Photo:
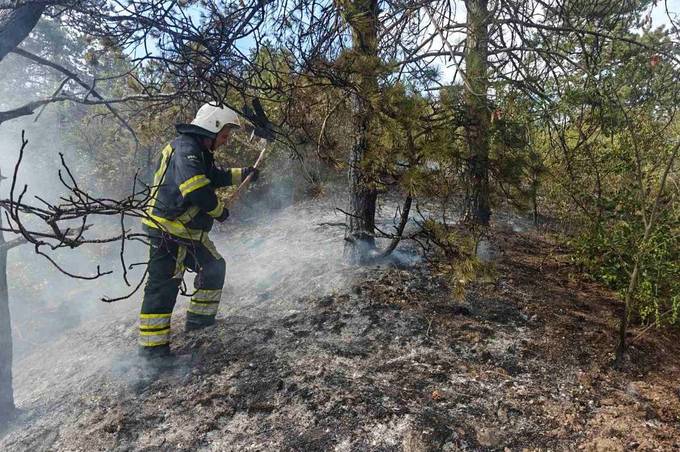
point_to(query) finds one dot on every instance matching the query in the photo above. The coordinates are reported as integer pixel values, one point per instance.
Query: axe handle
(234, 196)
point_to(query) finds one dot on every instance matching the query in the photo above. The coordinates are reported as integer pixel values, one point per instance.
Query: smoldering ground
(44, 301)
(276, 262)
(312, 354)
(279, 260)
(380, 359)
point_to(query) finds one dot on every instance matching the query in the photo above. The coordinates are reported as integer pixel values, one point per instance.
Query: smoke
(276, 248)
(274, 255)
(43, 301)
(276, 261)
(281, 255)
(278, 255)
(264, 248)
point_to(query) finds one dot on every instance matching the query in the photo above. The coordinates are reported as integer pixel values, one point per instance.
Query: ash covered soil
(310, 354)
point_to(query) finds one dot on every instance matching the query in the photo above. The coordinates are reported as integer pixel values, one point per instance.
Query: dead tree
(7, 408)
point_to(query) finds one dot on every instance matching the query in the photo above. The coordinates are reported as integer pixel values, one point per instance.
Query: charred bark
(477, 206)
(362, 16)
(362, 196)
(16, 24)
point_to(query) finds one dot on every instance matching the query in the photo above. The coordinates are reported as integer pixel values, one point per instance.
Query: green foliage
(610, 250)
(454, 249)
(606, 159)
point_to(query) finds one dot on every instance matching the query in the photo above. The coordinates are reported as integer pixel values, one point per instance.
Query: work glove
(250, 170)
(224, 216)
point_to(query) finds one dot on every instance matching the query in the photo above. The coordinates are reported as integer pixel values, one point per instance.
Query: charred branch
(49, 226)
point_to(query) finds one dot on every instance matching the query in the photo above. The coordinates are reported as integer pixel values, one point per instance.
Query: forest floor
(385, 358)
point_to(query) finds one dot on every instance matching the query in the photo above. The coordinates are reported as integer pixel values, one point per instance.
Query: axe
(264, 130)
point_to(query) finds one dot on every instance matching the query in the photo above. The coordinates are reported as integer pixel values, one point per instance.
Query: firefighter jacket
(183, 202)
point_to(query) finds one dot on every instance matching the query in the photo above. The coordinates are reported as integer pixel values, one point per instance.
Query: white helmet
(213, 118)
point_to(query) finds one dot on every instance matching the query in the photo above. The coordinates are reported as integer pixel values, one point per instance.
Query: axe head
(257, 116)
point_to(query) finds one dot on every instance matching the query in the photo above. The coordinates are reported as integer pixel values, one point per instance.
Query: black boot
(157, 357)
(198, 322)
(158, 351)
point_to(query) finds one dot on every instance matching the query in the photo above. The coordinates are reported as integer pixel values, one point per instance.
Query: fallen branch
(342, 225)
(58, 217)
(400, 229)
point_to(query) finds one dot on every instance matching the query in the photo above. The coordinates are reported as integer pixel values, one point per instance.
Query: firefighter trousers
(169, 256)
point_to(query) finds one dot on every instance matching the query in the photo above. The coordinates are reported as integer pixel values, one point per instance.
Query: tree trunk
(360, 238)
(625, 316)
(362, 16)
(477, 210)
(6, 390)
(16, 24)
(534, 201)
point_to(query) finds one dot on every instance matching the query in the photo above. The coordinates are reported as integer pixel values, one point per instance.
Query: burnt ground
(391, 361)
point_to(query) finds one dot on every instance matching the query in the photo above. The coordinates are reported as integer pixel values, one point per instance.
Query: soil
(384, 359)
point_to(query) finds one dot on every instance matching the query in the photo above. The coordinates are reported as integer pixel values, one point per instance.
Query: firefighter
(181, 212)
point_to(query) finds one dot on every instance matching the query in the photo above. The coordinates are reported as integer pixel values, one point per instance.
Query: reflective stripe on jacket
(183, 201)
